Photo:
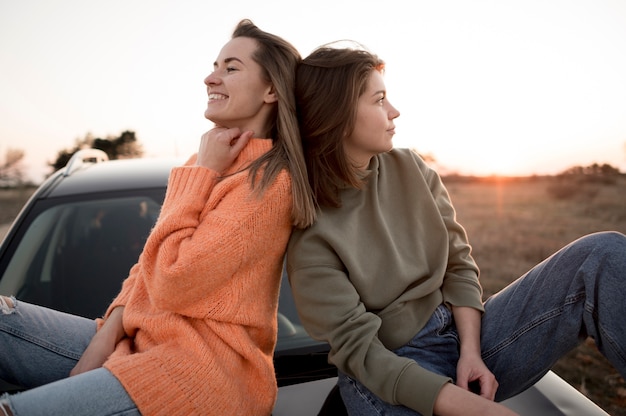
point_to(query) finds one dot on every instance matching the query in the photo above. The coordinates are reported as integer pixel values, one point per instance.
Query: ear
(270, 95)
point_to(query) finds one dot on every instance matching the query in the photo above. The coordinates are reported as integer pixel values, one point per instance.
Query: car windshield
(72, 255)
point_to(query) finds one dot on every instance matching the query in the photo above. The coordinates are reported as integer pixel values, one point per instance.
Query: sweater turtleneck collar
(253, 150)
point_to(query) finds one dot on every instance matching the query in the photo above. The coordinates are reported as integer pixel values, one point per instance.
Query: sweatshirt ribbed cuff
(417, 388)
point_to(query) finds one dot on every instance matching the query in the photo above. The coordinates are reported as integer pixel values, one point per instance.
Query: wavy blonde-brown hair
(278, 60)
(329, 83)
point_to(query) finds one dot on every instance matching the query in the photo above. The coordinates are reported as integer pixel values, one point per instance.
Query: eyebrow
(228, 60)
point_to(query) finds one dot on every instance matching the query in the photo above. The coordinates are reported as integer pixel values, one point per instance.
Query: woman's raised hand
(220, 146)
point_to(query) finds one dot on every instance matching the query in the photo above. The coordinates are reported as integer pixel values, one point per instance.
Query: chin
(211, 117)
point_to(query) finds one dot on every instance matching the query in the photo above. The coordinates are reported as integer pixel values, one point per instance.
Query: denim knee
(607, 241)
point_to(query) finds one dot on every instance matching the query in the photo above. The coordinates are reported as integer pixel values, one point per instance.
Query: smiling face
(239, 95)
(374, 127)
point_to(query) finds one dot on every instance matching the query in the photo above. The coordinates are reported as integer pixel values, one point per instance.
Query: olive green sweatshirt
(367, 276)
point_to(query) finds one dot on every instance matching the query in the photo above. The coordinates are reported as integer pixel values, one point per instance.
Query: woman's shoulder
(403, 157)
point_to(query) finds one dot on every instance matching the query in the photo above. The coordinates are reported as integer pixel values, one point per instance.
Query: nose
(393, 112)
(211, 79)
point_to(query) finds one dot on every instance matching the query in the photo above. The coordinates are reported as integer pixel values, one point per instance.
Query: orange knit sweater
(201, 303)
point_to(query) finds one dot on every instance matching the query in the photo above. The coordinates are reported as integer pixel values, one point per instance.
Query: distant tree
(608, 170)
(593, 174)
(126, 146)
(583, 182)
(11, 169)
(592, 171)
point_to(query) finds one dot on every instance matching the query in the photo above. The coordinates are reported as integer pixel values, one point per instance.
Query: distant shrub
(604, 174)
(583, 181)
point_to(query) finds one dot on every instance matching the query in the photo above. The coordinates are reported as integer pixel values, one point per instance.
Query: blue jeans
(38, 349)
(579, 291)
(435, 347)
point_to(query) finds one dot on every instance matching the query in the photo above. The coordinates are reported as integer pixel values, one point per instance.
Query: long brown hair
(329, 83)
(279, 59)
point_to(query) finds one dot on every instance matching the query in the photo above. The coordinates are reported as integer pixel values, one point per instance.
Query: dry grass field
(516, 223)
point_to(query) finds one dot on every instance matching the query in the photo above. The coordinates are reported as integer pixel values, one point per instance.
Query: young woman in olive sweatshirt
(386, 276)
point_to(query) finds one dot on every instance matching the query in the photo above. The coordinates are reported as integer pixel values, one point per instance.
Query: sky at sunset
(485, 87)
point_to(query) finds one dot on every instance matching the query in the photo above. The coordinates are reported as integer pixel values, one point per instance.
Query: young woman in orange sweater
(193, 329)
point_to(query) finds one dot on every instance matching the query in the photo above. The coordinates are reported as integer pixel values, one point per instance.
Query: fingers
(238, 143)
(462, 382)
(475, 376)
(488, 386)
(219, 147)
(231, 138)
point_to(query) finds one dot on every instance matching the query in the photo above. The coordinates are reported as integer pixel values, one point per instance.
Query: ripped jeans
(38, 349)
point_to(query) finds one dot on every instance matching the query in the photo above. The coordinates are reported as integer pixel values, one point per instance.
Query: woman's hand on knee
(472, 370)
(102, 344)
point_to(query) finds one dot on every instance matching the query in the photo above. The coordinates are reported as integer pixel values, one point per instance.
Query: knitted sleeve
(205, 231)
(194, 190)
